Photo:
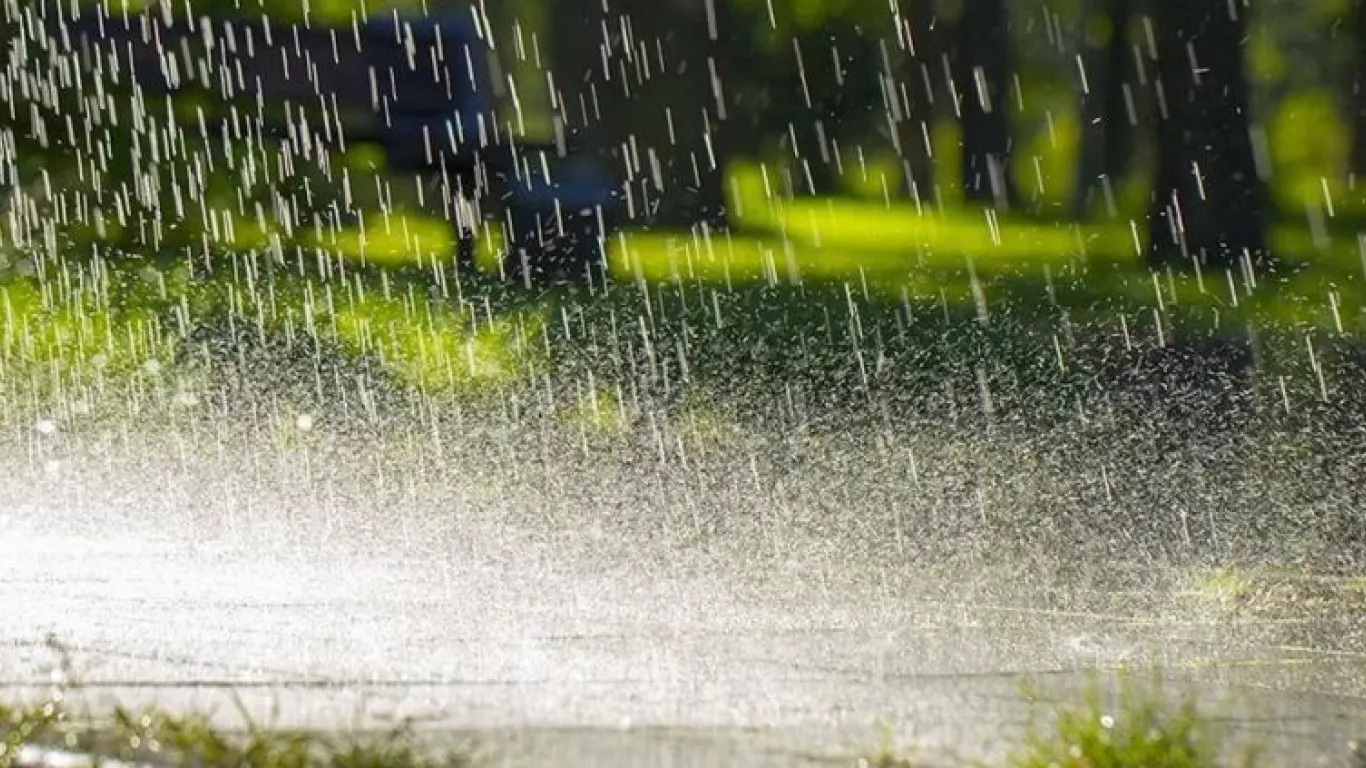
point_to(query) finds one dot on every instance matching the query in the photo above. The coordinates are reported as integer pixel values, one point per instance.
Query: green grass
(1253, 592)
(971, 265)
(57, 722)
(1131, 727)
(154, 736)
(1134, 726)
(92, 324)
(1126, 725)
(893, 251)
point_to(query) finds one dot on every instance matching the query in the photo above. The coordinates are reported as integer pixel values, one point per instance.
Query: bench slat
(415, 71)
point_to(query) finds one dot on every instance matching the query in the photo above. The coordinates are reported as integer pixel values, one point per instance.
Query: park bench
(418, 87)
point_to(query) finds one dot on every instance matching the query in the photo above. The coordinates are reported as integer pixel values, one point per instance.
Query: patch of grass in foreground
(49, 731)
(1131, 727)
(34, 735)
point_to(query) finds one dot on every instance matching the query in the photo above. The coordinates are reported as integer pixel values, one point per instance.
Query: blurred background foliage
(788, 65)
(116, 270)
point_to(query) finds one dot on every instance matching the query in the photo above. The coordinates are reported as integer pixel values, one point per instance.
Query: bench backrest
(419, 79)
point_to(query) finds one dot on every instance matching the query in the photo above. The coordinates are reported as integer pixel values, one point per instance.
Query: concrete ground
(350, 583)
(551, 660)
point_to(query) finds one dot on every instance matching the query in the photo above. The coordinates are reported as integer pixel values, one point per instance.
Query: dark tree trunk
(580, 87)
(1358, 159)
(1208, 201)
(1107, 129)
(982, 79)
(651, 106)
(838, 77)
(820, 70)
(911, 90)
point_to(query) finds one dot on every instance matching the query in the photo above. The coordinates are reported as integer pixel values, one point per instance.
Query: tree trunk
(910, 90)
(837, 77)
(1358, 159)
(982, 79)
(1107, 128)
(654, 104)
(576, 66)
(1208, 201)
(820, 71)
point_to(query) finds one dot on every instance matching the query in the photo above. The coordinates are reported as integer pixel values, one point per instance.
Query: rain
(710, 382)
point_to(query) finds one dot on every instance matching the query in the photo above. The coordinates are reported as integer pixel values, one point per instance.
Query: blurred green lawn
(895, 252)
(386, 289)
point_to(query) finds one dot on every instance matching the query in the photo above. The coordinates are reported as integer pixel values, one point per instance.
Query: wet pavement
(548, 658)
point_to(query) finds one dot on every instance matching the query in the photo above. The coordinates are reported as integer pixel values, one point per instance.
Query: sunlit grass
(62, 335)
(594, 409)
(858, 229)
(59, 728)
(893, 249)
(406, 239)
(1134, 727)
(436, 347)
(54, 732)
(1131, 726)
(1308, 141)
(82, 322)
(930, 256)
(60, 343)
(1231, 591)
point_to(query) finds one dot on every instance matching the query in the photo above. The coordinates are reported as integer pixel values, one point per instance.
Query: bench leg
(465, 244)
(464, 217)
(537, 251)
